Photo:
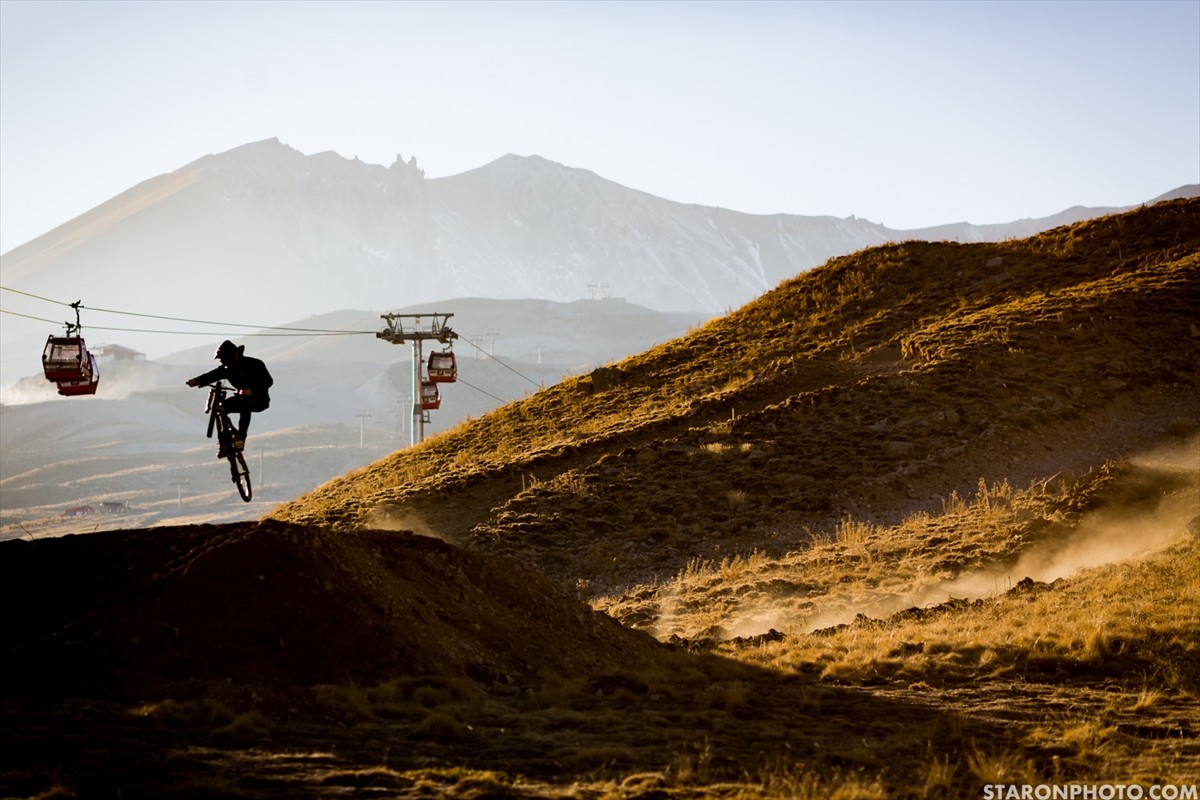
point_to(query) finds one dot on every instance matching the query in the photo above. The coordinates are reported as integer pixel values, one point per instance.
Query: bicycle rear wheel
(240, 473)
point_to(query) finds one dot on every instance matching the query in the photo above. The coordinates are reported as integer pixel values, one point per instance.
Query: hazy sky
(906, 113)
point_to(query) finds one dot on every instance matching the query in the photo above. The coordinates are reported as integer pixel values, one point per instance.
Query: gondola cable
(501, 363)
(290, 331)
(299, 331)
(179, 333)
(482, 391)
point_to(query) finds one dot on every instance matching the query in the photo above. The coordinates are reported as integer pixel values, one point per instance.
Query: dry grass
(931, 573)
(814, 405)
(1139, 620)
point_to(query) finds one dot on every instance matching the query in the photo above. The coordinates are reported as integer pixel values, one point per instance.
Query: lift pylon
(402, 328)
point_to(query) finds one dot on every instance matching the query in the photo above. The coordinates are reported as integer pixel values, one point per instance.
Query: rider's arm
(207, 377)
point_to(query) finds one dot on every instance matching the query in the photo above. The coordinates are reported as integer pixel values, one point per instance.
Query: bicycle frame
(218, 422)
(215, 407)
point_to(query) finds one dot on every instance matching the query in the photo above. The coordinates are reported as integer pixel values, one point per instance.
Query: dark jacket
(245, 373)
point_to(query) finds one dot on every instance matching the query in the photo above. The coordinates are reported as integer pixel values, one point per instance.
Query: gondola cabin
(67, 362)
(430, 397)
(64, 359)
(85, 386)
(442, 367)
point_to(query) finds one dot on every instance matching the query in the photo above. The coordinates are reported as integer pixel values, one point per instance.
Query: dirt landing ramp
(272, 604)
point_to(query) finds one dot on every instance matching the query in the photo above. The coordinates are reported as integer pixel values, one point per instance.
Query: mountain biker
(249, 376)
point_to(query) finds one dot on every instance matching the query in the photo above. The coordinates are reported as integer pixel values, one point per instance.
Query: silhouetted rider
(249, 376)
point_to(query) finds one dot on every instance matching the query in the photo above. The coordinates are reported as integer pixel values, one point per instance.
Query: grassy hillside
(872, 388)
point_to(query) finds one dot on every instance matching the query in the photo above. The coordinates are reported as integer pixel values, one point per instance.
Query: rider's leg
(238, 405)
(242, 429)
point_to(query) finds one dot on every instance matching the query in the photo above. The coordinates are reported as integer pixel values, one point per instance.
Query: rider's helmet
(228, 352)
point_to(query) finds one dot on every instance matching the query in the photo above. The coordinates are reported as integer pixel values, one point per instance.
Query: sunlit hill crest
(875, 386)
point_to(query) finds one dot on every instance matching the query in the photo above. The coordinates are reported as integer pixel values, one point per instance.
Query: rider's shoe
(239, 443)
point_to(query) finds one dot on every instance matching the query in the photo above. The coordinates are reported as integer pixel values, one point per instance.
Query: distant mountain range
(263, 234)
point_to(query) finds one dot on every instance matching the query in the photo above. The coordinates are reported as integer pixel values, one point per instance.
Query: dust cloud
(1157, 511)
(1101, 538)
(26, 391)
(397, 518)
(1154, 517)
(118, 381)
(1154, 514)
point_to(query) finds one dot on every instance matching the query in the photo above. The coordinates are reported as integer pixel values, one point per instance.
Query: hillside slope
(918, 523)
(873, 387)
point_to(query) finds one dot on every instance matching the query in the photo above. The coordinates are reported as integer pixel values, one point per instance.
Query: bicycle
(218, 422)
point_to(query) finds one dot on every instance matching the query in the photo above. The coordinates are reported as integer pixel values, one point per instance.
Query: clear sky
(909, 114)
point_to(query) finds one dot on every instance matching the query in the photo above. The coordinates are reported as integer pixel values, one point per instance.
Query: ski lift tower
(403, 328)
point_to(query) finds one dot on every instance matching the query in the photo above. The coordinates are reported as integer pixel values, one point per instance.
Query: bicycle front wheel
(240, 473)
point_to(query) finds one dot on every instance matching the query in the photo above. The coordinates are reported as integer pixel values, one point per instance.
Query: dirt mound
(274, 605)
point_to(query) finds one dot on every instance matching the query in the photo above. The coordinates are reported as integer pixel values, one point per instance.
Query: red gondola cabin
(67, 362)
(442, 367)
(86, 386)
(430, 398)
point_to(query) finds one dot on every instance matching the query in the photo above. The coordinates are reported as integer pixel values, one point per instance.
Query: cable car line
(203, 333)
(483, 391)
(501, 363)
(177, 333)
(186, 320)
(29, 316)
(264, 331)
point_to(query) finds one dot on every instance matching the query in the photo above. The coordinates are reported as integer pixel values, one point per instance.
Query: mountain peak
(355, 235)
(248, 153)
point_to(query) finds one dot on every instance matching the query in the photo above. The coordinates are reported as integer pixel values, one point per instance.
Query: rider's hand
(245, 392)
(191, 382)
